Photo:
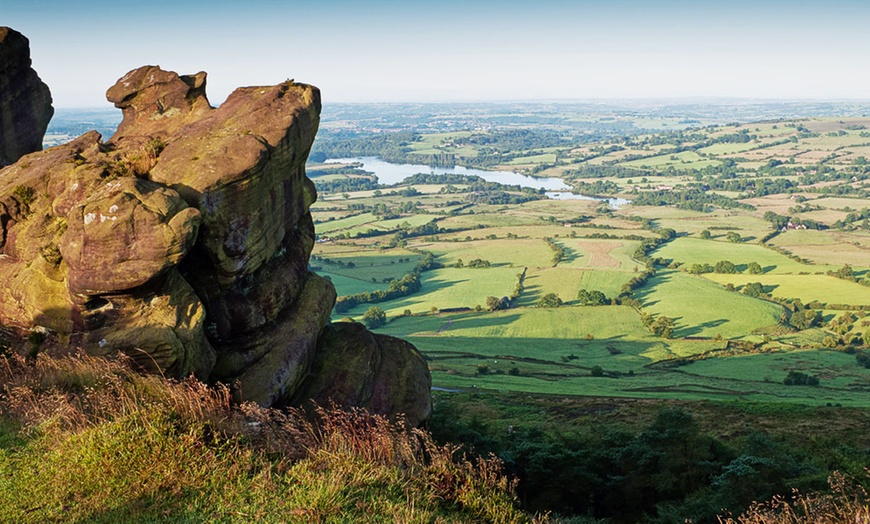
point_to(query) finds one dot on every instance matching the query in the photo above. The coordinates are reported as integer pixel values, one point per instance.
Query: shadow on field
(428, 286)
(768, 288)
(696, 329)
(434, 325)
(531, 291)
(554, 358)
(643, 293)
(481, 321)
(569, 255)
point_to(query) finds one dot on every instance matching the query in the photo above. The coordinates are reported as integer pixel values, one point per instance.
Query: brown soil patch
(599, 253)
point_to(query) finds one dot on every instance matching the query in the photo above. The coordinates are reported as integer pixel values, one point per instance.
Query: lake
(389, 173)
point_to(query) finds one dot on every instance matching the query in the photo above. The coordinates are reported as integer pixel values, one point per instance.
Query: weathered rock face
(184, 242)
(25, 102)
(355, 367)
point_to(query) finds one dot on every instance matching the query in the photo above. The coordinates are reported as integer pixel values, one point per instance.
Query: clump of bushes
(549, 300)
(797, 378)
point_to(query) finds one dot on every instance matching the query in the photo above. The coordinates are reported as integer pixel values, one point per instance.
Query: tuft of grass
(89, 440)
(26, 195)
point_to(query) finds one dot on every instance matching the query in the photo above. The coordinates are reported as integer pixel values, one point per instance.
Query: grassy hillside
(703, 309)
(87, 440)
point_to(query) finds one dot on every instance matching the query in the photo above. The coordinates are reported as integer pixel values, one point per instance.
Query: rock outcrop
(25, 102)
(183, 241)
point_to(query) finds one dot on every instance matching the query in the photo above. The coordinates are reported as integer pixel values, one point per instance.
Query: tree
(754, 268)
(845, 273)
(805, 318)
(732, 236)
(662, 326)
(374, 317)
(724, 266)
(492, 303)
(591, 298)
(706, 234)
(549, 300)
(753, 289)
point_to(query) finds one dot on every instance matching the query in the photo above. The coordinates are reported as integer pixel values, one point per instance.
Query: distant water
(389, 173)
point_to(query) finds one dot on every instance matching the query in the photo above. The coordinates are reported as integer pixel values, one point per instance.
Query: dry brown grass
(847, 503)
(80, 391)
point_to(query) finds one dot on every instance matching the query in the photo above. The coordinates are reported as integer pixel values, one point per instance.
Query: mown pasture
(827, 247)
(690, 251)
(823, 288)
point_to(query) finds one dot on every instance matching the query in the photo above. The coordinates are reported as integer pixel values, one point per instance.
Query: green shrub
(374, 317)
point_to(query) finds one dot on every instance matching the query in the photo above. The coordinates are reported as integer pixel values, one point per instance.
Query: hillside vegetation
(88, 440)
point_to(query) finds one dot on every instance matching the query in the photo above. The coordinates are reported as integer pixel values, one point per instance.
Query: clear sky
(449, 50)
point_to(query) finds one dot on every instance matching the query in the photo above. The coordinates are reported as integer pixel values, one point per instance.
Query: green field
(345, 285)
(697, 251)
(824, 288)
(514, 252)
(703, 309)
(550, 353)
(566, 282)
(371, 269)
(344, 223)
(450, 288)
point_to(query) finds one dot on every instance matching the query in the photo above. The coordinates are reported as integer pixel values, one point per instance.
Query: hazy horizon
(382, 51)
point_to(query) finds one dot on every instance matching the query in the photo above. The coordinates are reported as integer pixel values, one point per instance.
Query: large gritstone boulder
(25, 102)
(183, 242)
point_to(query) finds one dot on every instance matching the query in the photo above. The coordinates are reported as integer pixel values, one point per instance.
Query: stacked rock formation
(25, 102)
(183, 241)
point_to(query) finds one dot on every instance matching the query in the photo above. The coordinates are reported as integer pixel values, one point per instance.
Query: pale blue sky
(390, 50)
